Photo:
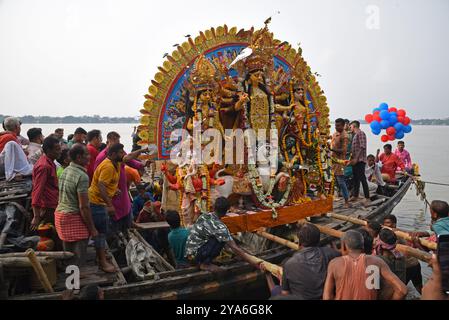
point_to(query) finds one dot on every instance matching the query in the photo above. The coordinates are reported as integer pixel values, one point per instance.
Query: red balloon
(376, 112)
(377, 117)
(393, 110)
(391, 131)
(391, 138)
(369, 118)
(401, 113)
(384, 138)
(401, 120)
(406, 121)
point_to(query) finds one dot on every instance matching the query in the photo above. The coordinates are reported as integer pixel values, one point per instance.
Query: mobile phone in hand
(443, 258)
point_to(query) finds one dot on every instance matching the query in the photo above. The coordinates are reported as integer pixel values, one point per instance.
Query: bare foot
(107, 267)
(347, 205)
(18, 177)
(366, 202)
(210, 267)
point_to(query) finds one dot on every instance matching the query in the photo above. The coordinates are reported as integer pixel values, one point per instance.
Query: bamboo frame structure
(409, 251)
(399, 233)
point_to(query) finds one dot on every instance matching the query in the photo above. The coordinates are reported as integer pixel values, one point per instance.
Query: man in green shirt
(209, 235)
(177, 238)
(73, 217)
(79, 136)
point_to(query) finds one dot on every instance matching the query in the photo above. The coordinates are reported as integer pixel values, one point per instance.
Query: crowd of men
(81, 186)
(353, 168)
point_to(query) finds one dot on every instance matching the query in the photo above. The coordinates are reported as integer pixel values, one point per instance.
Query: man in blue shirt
(140, 199)
(177, 238)
(439, 212)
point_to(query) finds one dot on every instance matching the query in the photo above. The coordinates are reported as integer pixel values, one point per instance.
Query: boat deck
(194, 283)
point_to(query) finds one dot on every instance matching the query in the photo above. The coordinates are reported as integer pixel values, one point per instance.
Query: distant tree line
(74, 119)
(432, 122)
(426, 122)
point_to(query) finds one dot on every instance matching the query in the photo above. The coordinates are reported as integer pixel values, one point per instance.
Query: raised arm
(399, 288)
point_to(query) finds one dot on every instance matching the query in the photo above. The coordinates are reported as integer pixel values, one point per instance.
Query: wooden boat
(236, 276)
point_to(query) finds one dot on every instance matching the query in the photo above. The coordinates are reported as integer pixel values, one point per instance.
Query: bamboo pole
(421, 255)
(399, 233)
(22, 262)
(41, 275)
(270, 267)
(55, 255)
(277, 239)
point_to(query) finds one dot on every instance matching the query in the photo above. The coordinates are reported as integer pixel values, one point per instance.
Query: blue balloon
(407, 129)
(393, 113)
(376, 132)
(399, 135)
(375, 125)
(384, 124)
(376, 109)
(384, 115)
(399, 126)
(383, 106)
(393, 120)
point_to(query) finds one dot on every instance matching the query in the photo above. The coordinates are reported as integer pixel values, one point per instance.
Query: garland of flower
(181, 195)
(205, 178)
(309, 128)
(265, 199)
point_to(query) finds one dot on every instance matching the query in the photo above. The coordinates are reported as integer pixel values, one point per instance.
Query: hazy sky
(62, 57)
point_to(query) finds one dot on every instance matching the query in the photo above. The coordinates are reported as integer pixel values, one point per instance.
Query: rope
(436, 183)
(420, 185)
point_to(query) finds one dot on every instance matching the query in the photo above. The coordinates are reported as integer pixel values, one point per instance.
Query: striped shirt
(359, 147)
(73, 180)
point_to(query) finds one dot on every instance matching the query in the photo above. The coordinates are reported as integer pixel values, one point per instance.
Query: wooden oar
(409, 251)
(401, 234)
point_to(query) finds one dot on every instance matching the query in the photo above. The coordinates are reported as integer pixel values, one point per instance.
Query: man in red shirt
(44, 195)
(390, 164)
(94, 140)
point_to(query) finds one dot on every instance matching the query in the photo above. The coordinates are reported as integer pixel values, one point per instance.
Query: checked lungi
(71, 227)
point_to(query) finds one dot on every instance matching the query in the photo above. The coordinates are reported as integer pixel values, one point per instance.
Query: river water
(428, 145)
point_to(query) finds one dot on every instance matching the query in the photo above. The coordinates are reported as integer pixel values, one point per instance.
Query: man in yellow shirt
(103, 188)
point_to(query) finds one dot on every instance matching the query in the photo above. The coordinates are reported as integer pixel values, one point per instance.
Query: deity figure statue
(193, 181)
(292, 160)
(201, 94)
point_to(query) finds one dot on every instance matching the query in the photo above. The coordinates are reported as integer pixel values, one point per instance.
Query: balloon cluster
(395, 122)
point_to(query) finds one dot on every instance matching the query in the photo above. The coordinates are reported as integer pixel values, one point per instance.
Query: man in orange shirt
(390, 164)
(103, 188)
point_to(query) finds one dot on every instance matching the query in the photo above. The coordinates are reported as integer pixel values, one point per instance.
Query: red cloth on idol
(71, 227)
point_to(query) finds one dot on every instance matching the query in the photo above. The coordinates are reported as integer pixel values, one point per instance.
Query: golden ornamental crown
(203, 74)
(263, 47)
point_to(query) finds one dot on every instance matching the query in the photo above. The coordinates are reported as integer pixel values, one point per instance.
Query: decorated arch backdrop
(164, 109)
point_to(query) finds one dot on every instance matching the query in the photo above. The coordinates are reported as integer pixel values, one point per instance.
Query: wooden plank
(264, 219)
(120, 277)
(152, 225)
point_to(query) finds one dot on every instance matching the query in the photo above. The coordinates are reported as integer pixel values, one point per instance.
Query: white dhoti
(372, 189)
(13, 161)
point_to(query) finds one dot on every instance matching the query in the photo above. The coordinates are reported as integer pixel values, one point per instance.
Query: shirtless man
(348, 276)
